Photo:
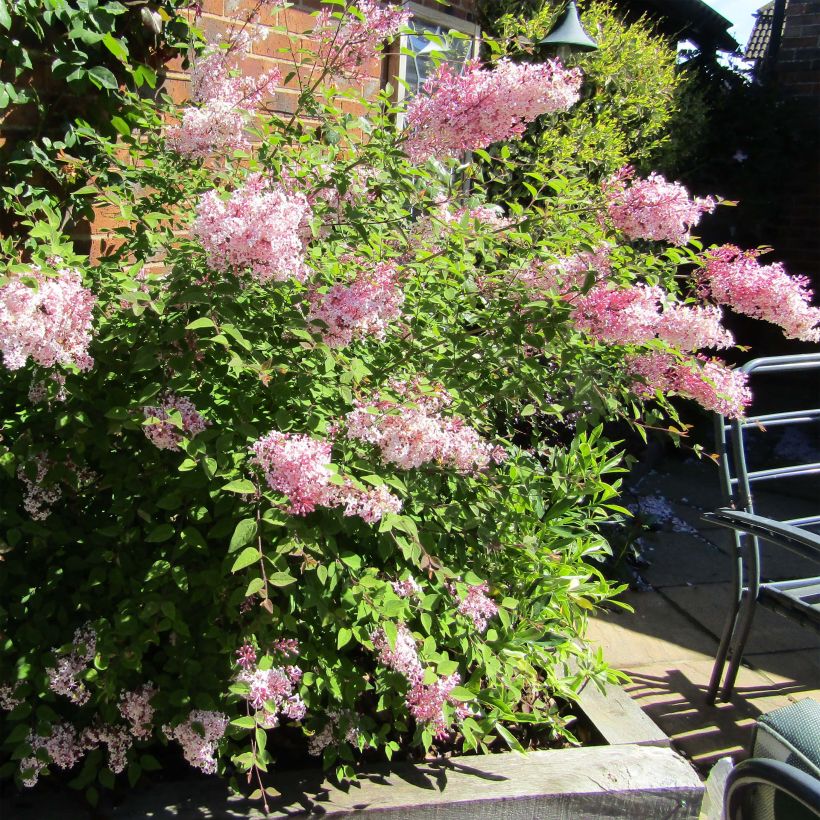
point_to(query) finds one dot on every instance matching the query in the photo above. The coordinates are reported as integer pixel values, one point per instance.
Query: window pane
(420, 66)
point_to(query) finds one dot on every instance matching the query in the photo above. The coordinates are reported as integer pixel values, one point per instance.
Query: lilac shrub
(280, 471)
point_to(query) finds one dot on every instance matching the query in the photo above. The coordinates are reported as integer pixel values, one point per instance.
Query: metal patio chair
(799, 598)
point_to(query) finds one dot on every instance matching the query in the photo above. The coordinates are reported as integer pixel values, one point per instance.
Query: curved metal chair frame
(798, 599)
(782, 777)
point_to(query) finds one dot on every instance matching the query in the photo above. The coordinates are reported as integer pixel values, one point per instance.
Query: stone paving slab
(655, 632)
(708, 605)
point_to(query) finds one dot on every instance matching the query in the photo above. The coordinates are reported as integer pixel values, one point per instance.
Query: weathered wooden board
(618, 718)
(628, 782)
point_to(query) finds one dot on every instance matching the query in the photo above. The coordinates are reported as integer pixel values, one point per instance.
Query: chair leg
(739, 639)
(723, 650)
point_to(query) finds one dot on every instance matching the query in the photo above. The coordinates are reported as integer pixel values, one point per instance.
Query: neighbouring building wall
(796, 72)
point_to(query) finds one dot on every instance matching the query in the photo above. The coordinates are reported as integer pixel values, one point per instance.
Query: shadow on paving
(667, 644)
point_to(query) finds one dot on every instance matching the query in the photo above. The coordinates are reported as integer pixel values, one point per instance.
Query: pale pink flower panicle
(371, 504)
(477, 605)
(8, 697)
(404, 657)
(163, 433)
(64, 748)
(363, 308)
(426, 702)
(40, 494)
(261, 227)
(273, 691)
(223, 102)
(344, 47)
(50, 323)
(412, 434)
(709, 382)
(653, 208)
(633, 315)
(406, 588)
(198, 736)
(479, 106)
(735, 278)
(246, 656)
(117, 739)
(298, 466)
(136, 709)
(64, 678)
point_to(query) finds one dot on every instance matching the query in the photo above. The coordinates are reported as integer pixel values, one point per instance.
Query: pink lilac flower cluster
(246, 656)
(63, 745)
(49, 323)
(64, 678)
(39, 390)
(224, 101)
(404, 657)
(653, 208)
(8, 697)
(709, 382)
(371, 505)
(416, 433)
(39, 496)
(345, 47)
(567, 273)
(198, 735)
(260, 227)
(289, 647)
(116, 738)
(473, 109)
(297, 466)
(163, 433)
(406, 588)
(476, 605)
(363, 308)
(136, 709)
(633, 316)
(273, 691)
(426, 702)
(735, 278)
(344, 723)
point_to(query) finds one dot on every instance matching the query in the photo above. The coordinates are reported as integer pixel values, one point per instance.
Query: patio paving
(667, 644)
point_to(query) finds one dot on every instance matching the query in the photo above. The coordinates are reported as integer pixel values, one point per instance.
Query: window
(416, 63)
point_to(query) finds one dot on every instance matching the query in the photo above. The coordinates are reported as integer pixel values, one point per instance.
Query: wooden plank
(618, 718)
(626, 781)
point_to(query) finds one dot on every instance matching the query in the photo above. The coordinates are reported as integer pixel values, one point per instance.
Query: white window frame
(437, 18)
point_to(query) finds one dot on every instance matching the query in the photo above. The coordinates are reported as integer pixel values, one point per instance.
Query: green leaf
(5, 17)
(149, 763)
(203, 321)
(343, 637)
(103, 78)
(461, 693)
(256, 585)
(248, 556)
(160, 533)
(281, 579)
(116, 47)
(122, 126)
(504, 733)
(240, 485)
(243, 534)
(246, 722)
